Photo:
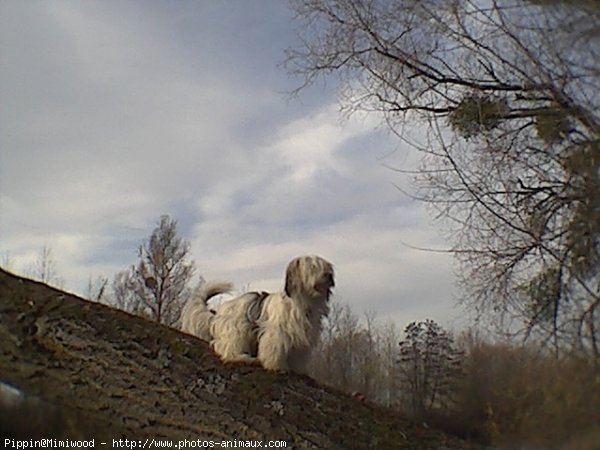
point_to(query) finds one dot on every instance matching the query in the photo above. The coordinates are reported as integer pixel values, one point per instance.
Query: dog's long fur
(195, 315)
(279, 329)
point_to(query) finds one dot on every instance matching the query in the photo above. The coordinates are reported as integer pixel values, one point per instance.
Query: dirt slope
(90, 371)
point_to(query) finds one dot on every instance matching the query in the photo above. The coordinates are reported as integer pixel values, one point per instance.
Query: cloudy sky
(113, 113)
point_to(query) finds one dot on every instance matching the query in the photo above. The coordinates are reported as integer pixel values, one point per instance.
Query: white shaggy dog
(278, 330)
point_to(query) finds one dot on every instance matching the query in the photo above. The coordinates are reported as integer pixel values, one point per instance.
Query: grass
(512, 396)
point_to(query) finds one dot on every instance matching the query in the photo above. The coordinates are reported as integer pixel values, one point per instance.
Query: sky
(114, 113)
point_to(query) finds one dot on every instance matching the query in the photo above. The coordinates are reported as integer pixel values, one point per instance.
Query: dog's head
(310, 276)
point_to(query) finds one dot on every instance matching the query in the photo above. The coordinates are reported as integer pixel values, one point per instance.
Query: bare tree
(334, 362)
(507, 96)
(123, 294)
(158, 286)
(387, 343)
(357, 357)
(96, 289)
(44, 268)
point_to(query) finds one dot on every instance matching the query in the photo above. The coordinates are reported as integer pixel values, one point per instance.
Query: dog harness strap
(255, 309)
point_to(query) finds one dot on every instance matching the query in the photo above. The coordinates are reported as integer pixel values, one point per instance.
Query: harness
(253, 315)
(254, 310)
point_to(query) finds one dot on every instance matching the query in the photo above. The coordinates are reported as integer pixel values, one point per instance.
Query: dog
(277, 330)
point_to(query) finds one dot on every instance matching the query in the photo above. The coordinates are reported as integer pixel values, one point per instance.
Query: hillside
(89, 371)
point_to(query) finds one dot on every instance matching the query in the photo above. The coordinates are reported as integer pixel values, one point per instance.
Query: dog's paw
(250, 362)
(243, 360)
(275, 368)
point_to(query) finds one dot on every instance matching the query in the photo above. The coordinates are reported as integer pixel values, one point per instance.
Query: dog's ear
(292, 277)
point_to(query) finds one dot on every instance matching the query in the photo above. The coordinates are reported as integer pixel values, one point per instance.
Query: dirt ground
(82, 370)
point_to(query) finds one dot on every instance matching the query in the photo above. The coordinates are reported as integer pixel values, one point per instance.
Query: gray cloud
(117, 112)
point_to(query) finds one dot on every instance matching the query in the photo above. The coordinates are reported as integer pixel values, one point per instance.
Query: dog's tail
(212, 288)
(195, 316)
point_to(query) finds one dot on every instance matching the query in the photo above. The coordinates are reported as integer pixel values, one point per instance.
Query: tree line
(503, 393)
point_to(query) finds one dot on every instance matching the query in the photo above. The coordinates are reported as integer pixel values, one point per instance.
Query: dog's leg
(241, 358)
(273, 348)
(233, 341)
